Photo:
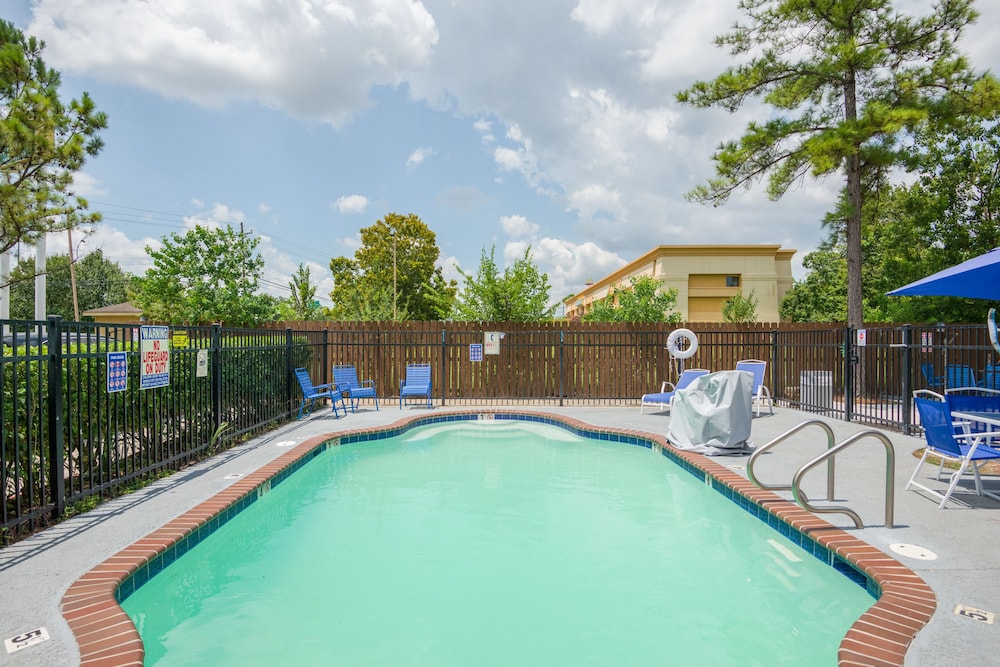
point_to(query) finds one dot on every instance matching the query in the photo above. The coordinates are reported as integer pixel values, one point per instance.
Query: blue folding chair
(954, 441)
(416, 383)
(760, 392)
(931, 379)
(314, 392)
(346, 379)
(959, 375)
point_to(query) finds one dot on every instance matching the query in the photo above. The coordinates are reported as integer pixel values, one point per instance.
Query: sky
(512, 124)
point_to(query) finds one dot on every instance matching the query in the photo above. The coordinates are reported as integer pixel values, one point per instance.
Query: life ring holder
(991, 327)
(672, 343)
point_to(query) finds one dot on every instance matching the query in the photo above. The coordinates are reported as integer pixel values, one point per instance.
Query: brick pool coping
(107, 637)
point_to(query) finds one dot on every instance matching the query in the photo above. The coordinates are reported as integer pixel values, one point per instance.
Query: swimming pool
(651, 622)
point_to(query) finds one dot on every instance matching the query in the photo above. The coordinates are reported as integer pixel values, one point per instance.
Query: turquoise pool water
(494, 543)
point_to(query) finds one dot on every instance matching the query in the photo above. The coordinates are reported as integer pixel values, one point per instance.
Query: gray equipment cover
(712, 416)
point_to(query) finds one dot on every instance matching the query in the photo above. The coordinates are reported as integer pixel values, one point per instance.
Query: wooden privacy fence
(837, 370)
(547, 362)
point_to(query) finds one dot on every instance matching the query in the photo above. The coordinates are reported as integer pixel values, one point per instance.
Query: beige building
(119, 313)
(705, 277)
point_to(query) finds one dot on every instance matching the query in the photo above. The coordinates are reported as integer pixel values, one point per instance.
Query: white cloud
(311, 58)
(418, 156)
(86, 185)
(518, 227)
(217, 217)
(130, 254)
(568, 265)
(595, 199)
(351, 204)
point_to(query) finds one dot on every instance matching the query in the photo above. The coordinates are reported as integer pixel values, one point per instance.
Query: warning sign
(154, 357)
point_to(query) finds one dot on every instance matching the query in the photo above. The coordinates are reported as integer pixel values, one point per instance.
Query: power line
(180, 221)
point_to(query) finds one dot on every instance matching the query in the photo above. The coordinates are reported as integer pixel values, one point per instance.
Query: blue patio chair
(760, 391)
(952, 441)
(959, 375)
(664, 399)
(312, 393)
(931, 379)
(991, 377)
(416, 383)
(346, 379)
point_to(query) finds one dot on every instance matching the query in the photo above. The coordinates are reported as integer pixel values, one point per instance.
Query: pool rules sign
(154, 357)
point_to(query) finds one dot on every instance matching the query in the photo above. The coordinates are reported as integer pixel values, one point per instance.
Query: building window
(732, 281)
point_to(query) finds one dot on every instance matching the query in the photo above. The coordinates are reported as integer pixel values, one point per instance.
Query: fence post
(290, 366)
(57, 476)
(326, 360)
(216, 377)
(848, 373)
(907, 397)
(444, 362)
(562, 350)
(772, 365)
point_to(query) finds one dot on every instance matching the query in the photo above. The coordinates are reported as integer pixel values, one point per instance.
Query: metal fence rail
(65, 436)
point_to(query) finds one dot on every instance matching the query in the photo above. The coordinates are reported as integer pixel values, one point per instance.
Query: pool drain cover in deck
(913, 551)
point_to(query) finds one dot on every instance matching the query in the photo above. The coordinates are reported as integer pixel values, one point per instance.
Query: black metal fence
(72, 430)
(76, 422)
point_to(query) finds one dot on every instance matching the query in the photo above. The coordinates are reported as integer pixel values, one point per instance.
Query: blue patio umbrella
(976, 278)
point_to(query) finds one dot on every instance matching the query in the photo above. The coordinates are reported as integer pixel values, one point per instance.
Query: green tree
(301, 303)
(741, 309)
(99, 282)
(519, 294)
(947, 215)
(950, 214)
(42, 143)
(641, 301)
(203, 276)
(849, 81)
(393, 274)
(822, 295)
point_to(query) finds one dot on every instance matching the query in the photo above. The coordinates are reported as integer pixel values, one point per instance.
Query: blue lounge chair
(760, 391)
(930, 378)
(952, 441)
(417, 383)
(664, 399)
(346, 379)
(311, 393)
(991, 376)
(959, 375)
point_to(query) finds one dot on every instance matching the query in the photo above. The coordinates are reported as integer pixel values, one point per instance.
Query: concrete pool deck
(36, 573)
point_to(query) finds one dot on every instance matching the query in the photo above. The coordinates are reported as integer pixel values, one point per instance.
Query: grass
(988, 468)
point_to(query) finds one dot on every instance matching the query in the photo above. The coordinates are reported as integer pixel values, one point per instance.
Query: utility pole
(40, 264)
(72, 276)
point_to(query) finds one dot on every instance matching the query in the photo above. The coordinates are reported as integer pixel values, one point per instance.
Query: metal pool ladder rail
(828, 456)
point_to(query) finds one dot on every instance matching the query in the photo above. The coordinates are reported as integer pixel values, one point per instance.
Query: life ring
(675, 336)
(991, 326)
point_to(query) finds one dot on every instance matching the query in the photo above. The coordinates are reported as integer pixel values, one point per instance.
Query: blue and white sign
(154, 357)
(475, 352)
(117, 372)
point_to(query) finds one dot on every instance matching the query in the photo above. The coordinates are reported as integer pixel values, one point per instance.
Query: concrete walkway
(964, 539)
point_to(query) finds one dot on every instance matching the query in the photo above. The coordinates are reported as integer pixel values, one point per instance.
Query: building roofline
(660, 251)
